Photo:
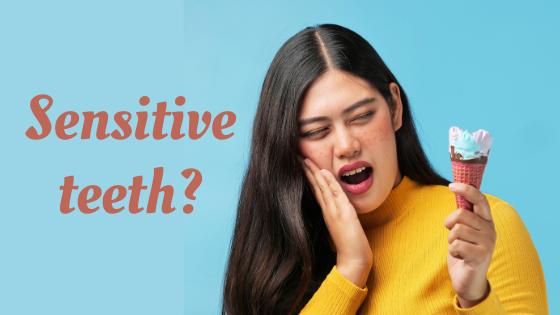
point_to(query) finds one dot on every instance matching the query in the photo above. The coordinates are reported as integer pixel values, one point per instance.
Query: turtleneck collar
(399, 201)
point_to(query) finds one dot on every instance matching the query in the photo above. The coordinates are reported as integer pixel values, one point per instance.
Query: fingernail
(306, 163)
(452, 186)
(323, 173)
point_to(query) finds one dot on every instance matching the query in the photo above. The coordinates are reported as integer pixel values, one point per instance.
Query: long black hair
(280, 252)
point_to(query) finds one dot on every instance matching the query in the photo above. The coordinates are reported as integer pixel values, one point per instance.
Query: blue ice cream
(466, 146)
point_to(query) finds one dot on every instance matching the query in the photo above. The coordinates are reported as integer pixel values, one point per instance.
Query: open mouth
(357, 176)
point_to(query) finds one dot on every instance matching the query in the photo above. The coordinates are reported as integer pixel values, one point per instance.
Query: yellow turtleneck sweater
(409, 273)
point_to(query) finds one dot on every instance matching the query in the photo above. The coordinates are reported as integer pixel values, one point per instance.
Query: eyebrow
(345, 111)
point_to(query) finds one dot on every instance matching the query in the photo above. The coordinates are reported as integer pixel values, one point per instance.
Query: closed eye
(364, 116)
(315, 133)
(312, 134)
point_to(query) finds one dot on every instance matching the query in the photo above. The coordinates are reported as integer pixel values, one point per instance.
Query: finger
(467, 251)
(479, 201)
(466, 217)
(311, 180)
(340, 199)
(313, 183)
(308, 173)
(326, 192)
(467, 234)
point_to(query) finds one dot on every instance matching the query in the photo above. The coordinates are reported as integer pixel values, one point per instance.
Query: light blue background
(471, 64)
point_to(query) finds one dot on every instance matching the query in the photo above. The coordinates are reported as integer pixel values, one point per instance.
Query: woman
(340, 211)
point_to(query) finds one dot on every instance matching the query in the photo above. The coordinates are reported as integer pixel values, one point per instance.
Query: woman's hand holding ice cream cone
(471, 244)
(354, 258)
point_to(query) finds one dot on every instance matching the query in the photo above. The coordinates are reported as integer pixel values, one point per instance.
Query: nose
(346, 144)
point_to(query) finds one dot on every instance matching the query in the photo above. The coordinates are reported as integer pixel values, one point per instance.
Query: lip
(353, 166)
(358, 188)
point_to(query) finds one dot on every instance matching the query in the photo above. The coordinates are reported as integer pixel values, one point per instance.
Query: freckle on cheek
(385, 134)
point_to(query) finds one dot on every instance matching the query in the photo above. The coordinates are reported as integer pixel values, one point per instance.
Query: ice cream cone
(470, 174)
(469, 156)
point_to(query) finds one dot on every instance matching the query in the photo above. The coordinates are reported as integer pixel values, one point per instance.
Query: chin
(358, 211)
(364, 207)
(368, 201)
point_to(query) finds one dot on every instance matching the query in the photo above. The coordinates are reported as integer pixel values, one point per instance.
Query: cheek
(378, 134)
(319, 154)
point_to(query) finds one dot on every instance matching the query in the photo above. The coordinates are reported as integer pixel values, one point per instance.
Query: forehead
(333, 92)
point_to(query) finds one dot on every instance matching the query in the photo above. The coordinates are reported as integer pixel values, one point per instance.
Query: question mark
(192, 187)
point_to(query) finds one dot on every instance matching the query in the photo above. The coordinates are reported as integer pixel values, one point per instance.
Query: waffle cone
(470, 174)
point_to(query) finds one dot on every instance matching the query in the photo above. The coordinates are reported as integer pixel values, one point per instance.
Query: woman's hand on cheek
(354, 256)
(471, 244)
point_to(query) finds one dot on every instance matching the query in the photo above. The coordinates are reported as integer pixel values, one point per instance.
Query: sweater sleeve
(515, 275)
(336, 295)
